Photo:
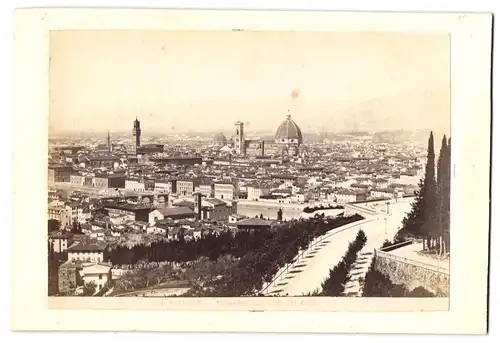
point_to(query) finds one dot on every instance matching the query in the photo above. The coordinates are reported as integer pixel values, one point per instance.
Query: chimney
(262, 148)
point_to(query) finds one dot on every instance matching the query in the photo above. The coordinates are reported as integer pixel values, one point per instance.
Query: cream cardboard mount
(202, 71)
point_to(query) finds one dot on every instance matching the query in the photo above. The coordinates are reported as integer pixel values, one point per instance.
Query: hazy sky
(179, 80)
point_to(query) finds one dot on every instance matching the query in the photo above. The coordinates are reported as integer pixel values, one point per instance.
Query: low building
(380, 183)
(103, 161)
(360, 186)
(205, 188)
(234, 218)
(185, 187)
(225, 191)
(116, 181)
(288, 180)
(100, 181)
(69, 277)
(149, 185)
(63, 214)
(77, 179)
(59, 174)
(384, 193)
(87, 252)
(98, 273)
(154, 216)
(344, 196)
(300, 197)
(156, 230)
(163, 186)
(109, 181)
(60, 241)
(180, 212)
(253, 224)
(150, 149)
(180, 161)
(215, 209)
(137, 212)
(256, 191)
(85, 216)
(135, 185)
(118, 218)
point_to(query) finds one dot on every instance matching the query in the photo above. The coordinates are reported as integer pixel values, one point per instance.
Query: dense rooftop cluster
(118, 194)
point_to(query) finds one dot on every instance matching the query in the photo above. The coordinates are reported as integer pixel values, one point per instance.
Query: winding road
(313, 266)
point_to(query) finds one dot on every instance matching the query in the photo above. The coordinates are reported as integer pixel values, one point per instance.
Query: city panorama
(244, 176)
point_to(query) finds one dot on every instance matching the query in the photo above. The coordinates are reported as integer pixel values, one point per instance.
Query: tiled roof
(96, 268)
(216, 202)
(254, 222)
(88, 246)
(172, 211)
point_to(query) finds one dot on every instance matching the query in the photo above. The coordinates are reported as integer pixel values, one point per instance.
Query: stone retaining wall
(352, 209)
(413, 274)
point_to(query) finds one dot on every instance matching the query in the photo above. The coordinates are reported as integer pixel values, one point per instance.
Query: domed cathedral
(220, 140)
(289, 137)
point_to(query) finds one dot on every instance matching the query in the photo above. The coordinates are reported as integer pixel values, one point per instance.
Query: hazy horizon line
(309, 132)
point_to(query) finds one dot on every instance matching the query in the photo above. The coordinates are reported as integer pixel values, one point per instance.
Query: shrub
(309, 209)
(274, 248)
(386, 243)
(334, 285)
(380, 285)
(420, 292)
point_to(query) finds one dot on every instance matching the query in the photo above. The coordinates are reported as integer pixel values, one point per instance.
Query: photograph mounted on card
(301, 164)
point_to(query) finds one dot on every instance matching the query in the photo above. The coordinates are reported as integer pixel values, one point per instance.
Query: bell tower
(239, 143)
(137, 132)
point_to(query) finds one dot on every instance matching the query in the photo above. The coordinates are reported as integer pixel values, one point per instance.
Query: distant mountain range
(411, 111)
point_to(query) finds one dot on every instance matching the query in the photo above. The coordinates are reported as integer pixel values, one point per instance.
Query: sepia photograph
(233, 164)
(224, 161)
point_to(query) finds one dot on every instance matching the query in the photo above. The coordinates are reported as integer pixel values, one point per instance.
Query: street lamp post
(385, 225)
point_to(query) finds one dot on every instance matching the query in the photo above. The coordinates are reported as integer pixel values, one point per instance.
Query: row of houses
(87, 259)
(67, 212)
(225, 190)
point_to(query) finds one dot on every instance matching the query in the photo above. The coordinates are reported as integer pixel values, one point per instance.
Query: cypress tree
(446, 198)
(429, 210)
(413, 221)
(441, 182)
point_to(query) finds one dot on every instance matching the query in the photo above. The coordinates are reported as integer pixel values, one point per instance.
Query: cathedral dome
(220, 139)
(288, 132)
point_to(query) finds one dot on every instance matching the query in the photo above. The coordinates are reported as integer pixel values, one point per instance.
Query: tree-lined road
(313, 268)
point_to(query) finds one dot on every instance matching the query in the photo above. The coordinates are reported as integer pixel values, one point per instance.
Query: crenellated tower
(137, 132)
(110, 147)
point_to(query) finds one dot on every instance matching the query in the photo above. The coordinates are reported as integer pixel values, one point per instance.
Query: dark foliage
(237, 244)
(280, 215)
(76, 228)
(420, 292)
(53, 263)
(334, 285)
(53, 266)
(276, 248)
(313, 209)
(429, 192)
(379, 285)
(429, 217)
(386, 243)
(53, 225)
(89, 289)
(443, 192)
